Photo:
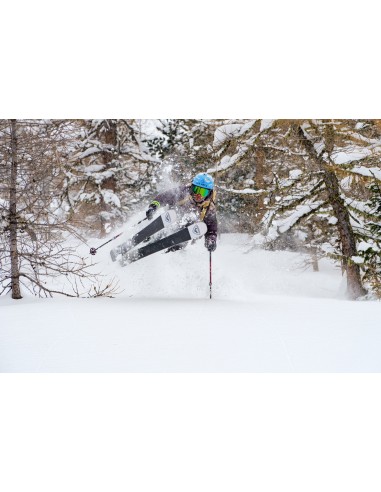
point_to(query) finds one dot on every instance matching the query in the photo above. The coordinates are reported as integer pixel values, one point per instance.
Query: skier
(195, 199)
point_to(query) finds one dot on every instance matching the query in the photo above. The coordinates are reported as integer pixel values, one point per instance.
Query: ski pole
(93, 251)
(210, 274)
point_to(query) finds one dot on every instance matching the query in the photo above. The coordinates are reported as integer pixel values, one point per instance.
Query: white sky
(177, 65)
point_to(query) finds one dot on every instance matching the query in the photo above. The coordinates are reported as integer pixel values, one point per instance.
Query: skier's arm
(168, 197)
(211, 223)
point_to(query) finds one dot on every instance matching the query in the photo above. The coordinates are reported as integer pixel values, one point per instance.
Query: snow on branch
(369, 172)
(349, 170)
(88, 152)
(247, 191)
(284, 149)
(226, 162)
(354, 153)
(226, 132)
(301, 212)
(291, 202)
(266, 124)
(358, 206)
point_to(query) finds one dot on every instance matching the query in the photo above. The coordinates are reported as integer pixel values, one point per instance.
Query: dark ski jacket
(181, 198)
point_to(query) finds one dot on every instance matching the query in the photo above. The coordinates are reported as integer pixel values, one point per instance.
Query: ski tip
(197, 230)
(169, 217)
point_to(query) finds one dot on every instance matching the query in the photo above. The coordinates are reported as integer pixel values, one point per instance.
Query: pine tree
(369, 248)
(167, 135)
(301, 167)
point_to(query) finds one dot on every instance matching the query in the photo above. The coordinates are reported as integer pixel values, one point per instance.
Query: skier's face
(197, 198)
(199, 194)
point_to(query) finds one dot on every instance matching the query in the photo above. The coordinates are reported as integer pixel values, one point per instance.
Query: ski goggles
(198, 190)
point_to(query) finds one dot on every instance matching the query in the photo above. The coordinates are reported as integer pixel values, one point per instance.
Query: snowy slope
(268, 314)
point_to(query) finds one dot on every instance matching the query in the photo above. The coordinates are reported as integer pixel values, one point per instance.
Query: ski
(194, 231)
(163, 221)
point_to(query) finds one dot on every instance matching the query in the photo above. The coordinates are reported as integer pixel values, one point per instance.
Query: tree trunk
(260, 171)
(110, 138)
(347, 237)
(15, 271)
(315, 261)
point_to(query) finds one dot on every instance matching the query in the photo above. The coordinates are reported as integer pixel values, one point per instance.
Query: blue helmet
(203, 180)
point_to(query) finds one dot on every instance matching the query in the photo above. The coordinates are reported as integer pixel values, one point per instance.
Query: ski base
(165, 220)
(193, 231)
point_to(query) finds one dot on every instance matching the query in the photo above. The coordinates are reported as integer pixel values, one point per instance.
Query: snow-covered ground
(268, 314)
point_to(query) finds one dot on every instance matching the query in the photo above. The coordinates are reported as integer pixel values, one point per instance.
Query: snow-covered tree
(298, 172)
(369, 248)
(163, 136)
(111, 171)
(247, 170)
(33, 252)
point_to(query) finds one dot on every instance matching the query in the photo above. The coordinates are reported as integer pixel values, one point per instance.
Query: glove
(151, 211)
(210, 243)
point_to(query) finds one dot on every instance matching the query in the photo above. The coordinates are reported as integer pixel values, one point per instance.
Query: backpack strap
(207, 203)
